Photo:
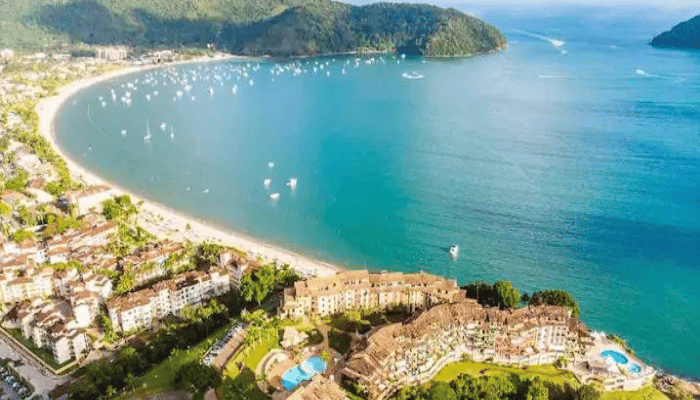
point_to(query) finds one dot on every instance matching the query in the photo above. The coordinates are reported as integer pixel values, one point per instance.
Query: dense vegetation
(684, 35)
(274, 27)
(502, 294)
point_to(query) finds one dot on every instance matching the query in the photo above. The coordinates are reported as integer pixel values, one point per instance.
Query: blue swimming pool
(304, 371)
(616, 356)
(635, 368)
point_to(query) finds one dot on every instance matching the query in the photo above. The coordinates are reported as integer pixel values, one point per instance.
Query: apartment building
(139, 309)
(364, 290)
(412, 353)
(49, 324)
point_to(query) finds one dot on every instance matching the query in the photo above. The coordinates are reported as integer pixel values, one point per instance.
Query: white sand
(157, 218)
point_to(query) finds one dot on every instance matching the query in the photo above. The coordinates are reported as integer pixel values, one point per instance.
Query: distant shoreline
(173, 224)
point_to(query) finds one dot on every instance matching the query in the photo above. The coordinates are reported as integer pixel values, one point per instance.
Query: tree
(587, 392)
(130, 381)
(556, 298)
(506, 295)
(536, 390)
(442, 391)
(196, 378)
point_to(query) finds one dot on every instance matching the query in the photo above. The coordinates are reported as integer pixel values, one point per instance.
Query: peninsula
(685, 35)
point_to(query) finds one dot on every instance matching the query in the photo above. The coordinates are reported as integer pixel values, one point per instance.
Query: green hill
(685, 35)
(274, 27)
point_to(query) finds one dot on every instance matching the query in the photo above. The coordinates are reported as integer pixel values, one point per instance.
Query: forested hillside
(685, 35)
(274, 27)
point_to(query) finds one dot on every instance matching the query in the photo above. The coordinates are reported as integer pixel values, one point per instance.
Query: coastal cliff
(265, 27)
(685, 35)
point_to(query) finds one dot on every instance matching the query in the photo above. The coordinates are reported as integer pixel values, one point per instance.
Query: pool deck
(593, 366)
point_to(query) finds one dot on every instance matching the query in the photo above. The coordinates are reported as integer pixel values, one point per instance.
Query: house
(116, 53)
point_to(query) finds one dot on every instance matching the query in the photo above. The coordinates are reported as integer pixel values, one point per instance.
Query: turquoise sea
(570, 160)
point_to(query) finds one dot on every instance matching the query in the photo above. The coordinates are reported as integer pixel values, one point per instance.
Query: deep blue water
(574, 166)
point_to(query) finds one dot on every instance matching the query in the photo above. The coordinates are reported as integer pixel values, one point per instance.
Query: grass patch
(339, 341)
(41, 352)
(161, 376)
(243, 381)
(547, 372)
(646, 393)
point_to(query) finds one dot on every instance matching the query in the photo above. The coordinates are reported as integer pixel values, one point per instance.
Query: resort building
(412, 353)
(237, 267)
(364, 290)
(49, 324)
(139, 309)
(319, 388)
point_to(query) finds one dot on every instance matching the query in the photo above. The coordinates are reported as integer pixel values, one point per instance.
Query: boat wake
(553, 41)
(412, 75)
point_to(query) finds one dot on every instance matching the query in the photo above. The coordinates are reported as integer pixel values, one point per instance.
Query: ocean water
(570, 160)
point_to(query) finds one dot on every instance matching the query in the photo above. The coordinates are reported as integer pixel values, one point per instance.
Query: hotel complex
(363, 290)
(406, 354)
(139, 309)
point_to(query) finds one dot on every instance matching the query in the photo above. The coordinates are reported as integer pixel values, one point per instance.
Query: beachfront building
(90, 199)
(49, 324)
(364, 290)
(236, 265)
(140, 309)
(115, 53)
(151, 262)
(412, 353)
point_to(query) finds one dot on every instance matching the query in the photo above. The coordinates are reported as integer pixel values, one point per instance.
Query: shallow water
(571, 160)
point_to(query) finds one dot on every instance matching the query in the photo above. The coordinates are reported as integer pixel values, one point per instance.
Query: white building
(139, 309)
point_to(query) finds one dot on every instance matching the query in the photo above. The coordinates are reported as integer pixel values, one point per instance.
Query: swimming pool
(305, 371)
(618, 357)
(635, 368)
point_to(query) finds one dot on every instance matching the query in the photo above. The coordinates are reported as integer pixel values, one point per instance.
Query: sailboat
(147, 138)
(172, 133)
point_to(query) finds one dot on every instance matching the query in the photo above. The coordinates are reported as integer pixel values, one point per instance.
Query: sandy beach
(157, 218)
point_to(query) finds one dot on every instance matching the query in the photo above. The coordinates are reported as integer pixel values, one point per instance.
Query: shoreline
(159, 219)
(173, 223)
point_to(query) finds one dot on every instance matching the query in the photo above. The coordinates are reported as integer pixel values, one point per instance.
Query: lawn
(647, 393)
(161, 376)
(236, 379)
(546, 372)
(475, 369)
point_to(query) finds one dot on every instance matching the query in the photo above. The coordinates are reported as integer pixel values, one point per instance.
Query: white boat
(172, 133)
(206, 190)
(211, 91)
(270, 165)
(274, 196)
(163, 125)
(292, 183)
(234, 90)
(454, 251)
(123, 132)
(267, 182)
(147, 138)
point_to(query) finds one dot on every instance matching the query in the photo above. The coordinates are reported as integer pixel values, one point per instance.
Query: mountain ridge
(263, 27)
